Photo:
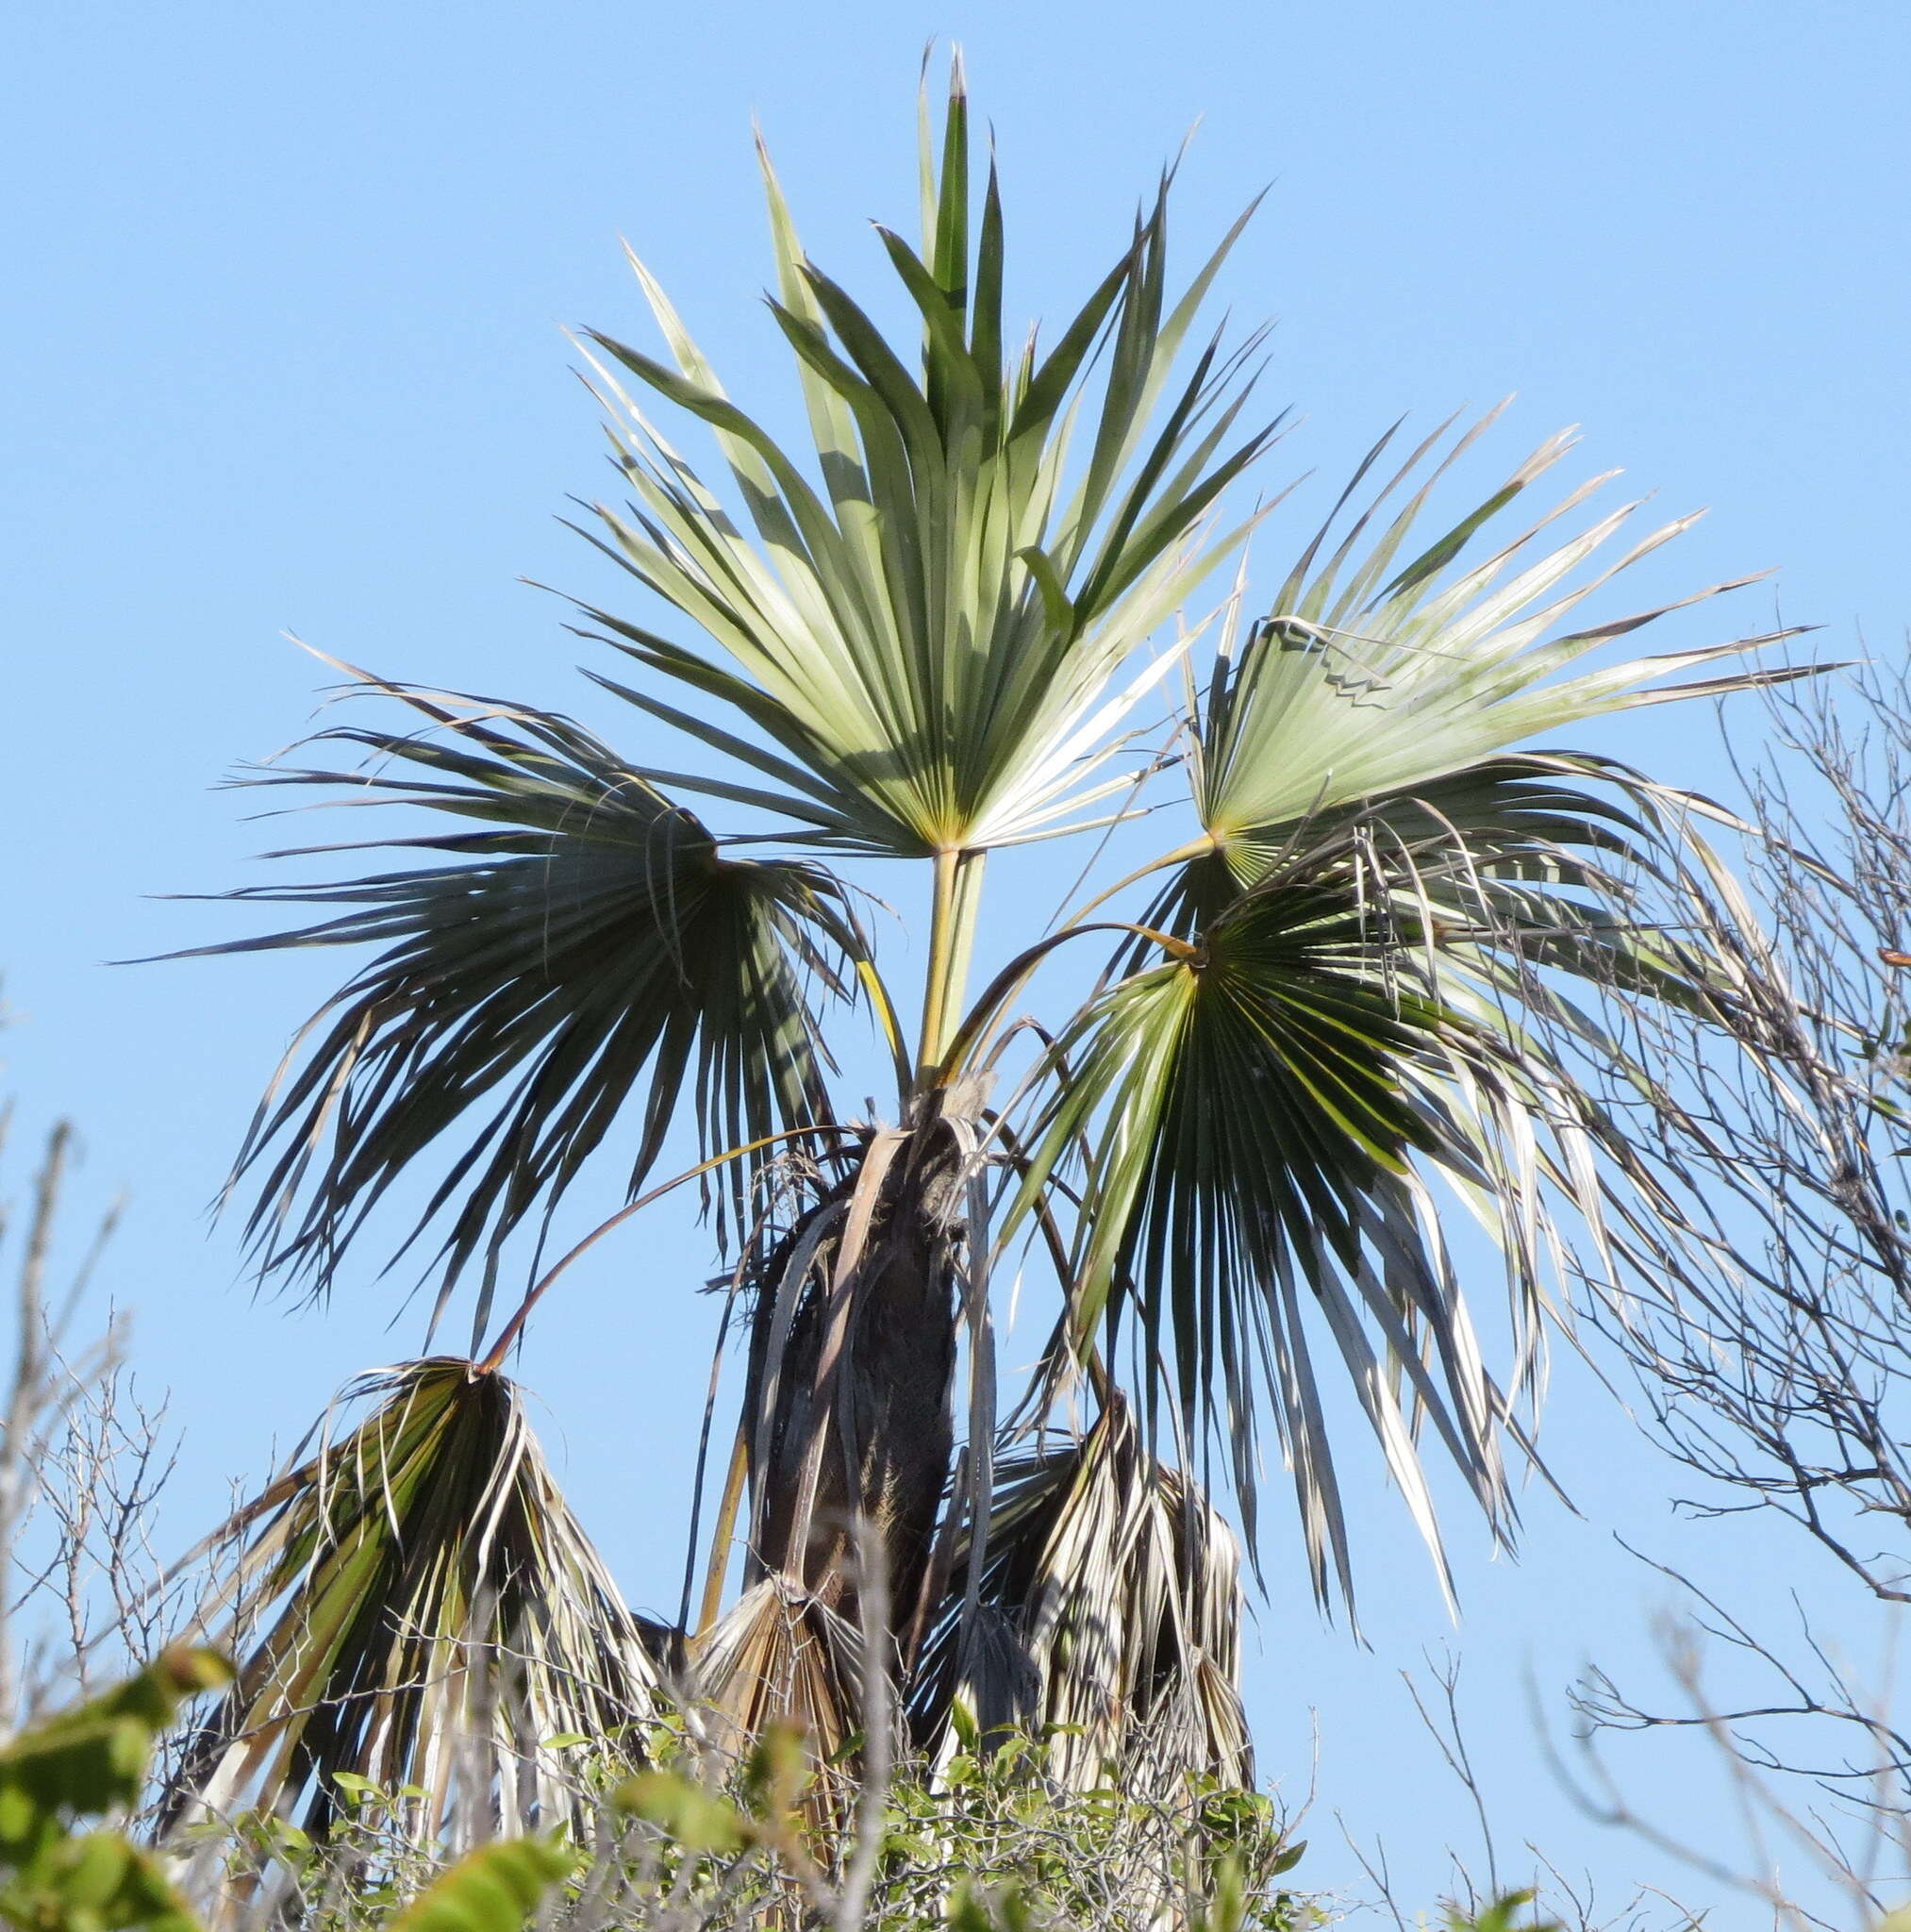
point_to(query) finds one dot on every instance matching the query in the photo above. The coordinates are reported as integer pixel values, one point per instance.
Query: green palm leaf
(1359, 682)
(1381, 907)
(927, 634)
(587, 949)
(1250, 1120)
(909, 638)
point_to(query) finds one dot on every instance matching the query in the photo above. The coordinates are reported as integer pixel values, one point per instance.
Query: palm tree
(1348, 987)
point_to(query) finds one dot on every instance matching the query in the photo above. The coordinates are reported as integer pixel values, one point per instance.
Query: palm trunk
(853, 1351)
(855, 1403)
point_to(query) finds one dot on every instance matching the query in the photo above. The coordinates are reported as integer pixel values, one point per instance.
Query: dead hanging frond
(440, 1617)
(1106, 1611)
(779, 1656)
(786, 1678)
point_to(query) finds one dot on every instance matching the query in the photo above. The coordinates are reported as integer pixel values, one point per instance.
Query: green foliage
(495, 1888)
(92, 1762)
(1505, 1915)
(984, 1838)
(691, 1817)
(927, 640)
(584, 946)
(996, 1841)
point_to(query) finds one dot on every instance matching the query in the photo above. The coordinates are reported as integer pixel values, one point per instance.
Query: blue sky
(283, 351)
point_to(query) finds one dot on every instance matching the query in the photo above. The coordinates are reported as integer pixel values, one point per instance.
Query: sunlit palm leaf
(1251, 1123)
(928, 637)
(433, 1615)
(1261, 1123)
(587, 951)
(1363, 680)
(1110, 1607)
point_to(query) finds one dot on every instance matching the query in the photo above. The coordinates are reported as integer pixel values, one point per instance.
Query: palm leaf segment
(587, 943)
(1375, 903)
(928, 639)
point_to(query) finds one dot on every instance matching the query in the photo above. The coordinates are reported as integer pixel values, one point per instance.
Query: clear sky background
(281, 346)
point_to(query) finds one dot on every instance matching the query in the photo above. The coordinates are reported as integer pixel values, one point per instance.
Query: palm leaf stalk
(919, 640)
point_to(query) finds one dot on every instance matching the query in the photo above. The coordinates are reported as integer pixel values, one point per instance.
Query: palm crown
(1350, 987)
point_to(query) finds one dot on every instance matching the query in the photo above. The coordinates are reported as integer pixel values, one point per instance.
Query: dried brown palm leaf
(1108, 1614)
(779, 1656)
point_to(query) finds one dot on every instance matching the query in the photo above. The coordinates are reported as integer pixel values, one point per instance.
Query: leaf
(577, 969)
(428, 1606)
(1110, 1607)
(1005, 1911)
(83, 1762)
(1503, 1915)
(924, 634)
(96, 1882)
(498, 1887)
(780, 1658)
(93, 1758)
(1258, 1128)
(1350, 688)
(683, 1810)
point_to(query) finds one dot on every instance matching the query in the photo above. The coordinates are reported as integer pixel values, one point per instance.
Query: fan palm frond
(586, 949)
(928, 637)
(1109, 1609)
(1255, 1122)
(433, 1616)
(1362, 680)
(1383, 896)
(781, 1657)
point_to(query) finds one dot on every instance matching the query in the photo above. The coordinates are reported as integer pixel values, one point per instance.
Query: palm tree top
(1340, 1009)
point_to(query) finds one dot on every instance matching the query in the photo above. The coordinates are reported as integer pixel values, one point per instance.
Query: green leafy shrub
(90, 1763)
